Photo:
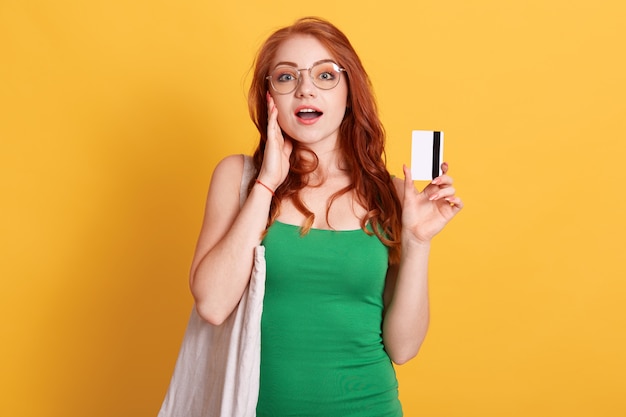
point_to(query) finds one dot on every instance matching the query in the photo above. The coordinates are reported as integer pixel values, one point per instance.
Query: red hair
(361, 136)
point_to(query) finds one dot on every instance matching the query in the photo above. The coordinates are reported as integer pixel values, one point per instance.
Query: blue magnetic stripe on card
(436, 149)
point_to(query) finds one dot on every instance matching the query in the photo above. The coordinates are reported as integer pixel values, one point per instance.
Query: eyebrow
(293, 64)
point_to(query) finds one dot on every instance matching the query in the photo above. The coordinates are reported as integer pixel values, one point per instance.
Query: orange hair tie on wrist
(268, 188)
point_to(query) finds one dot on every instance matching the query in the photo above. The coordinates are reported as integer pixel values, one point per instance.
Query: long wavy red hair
(361, 137)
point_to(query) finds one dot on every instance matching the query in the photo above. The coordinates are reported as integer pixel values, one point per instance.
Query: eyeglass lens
(325, 75)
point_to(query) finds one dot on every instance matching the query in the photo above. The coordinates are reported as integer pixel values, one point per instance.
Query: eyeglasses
(325, 75)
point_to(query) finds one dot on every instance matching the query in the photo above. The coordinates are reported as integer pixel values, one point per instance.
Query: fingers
(287, 147)
(442, 182)
(275, 164)
(443, 179)
(408, 180)
(455, 202)
(441, 188)
(442, 193)
(273, 129)
(271, 106)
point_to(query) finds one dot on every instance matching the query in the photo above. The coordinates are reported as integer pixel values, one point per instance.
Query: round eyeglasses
(285, 78)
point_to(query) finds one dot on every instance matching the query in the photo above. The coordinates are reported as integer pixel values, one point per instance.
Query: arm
(223, 258)
(406, 291)
(407, 306)
(224, 253)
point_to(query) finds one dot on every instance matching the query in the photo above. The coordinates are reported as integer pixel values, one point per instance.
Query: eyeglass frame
(299, 73)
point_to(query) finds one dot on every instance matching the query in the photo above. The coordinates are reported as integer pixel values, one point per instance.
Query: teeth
(307, 111)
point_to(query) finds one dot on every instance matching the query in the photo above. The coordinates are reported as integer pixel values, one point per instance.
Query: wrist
(411, 241)
(414, 250)
(264, 185)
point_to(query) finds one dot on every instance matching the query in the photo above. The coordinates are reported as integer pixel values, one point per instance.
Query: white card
(426, 154)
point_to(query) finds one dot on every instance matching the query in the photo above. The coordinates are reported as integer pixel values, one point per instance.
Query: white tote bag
(217, 370)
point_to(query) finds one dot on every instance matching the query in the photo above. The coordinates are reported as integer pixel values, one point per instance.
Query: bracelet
(268, 188)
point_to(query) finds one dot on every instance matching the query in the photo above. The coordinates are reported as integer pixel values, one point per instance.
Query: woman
(346, 244)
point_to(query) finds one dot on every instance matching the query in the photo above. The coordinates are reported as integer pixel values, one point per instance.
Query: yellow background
(114, 113)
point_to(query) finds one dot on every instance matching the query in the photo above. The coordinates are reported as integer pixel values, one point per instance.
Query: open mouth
(308, 114)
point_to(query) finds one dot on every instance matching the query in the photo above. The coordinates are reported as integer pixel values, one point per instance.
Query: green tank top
(322, 352)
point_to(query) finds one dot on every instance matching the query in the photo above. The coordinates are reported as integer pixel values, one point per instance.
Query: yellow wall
(113, 115)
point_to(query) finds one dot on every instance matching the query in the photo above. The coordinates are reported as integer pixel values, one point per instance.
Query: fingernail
(434, 196)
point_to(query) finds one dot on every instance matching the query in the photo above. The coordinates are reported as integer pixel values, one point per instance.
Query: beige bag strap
(217, 370)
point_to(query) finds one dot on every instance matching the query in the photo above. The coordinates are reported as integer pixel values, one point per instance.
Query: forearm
(220, 277)
(407, 316)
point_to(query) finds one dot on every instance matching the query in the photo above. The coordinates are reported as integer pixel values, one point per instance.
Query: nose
(306, 88)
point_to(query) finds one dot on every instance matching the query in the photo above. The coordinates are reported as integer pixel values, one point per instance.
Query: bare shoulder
(223, 196)
(228, 171)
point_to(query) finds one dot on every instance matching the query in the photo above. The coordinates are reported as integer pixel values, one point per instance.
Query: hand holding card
(426, 154)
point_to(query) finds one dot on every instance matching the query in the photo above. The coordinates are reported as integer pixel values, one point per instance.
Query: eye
(283, 75)
(326, 73)
(327, 76)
